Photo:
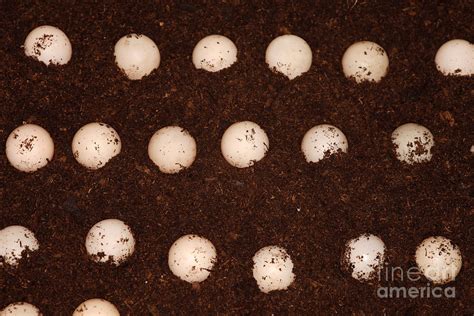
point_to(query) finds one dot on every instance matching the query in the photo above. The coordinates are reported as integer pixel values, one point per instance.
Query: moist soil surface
(310, 209)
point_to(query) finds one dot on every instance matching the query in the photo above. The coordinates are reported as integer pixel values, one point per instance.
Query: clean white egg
(110, 240)
(137, 56)
(365, 61)
(289, 55)
(364, 257)
(96, 307)
(29, 147)
(49, 45)
(20, 309)
(13, 241)
(322, 141)
(172, 149)
(244, 143)
(273, 269)
(192, 258)
(214, 53)
(95, 144)
(439, 259)
(455, 57)
(412, 143)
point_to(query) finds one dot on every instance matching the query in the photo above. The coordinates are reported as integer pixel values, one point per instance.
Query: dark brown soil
(310, 209)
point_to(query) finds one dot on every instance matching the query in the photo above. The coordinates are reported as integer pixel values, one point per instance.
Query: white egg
(96, 307)
(29, 147)
(438, 259)
(322, 141)
(273, 269)
(49, 45)
(244, 143)
(412, 143)
(365, 61)
(14, 240)
(137, 56)
(172, 149)
(364, 257)
(191, 258)
(20, 309)
(95, 144)
(456, 57)
(110, 240)
(214, 53)
(289, 55)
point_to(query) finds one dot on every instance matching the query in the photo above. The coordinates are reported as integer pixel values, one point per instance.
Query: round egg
(20, 309)
(191, 258)
(95, 144)
(96, 307)
(29, 147)
(214, 53)
(289, 55)
(412, 143)
(455, 57)
(172, 149)
(244, 143)
(137, 56)
(110, 240)
(14, 240)
(273, 269)
(365, 61)
(439, 259)
(364, 257)
(322, 141)
(49, 45)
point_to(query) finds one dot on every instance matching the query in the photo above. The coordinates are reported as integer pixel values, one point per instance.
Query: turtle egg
(20, 309)
(137, 56)
(273, 269)
(364, 257)
(172, 149)
(412, 143)
(365, 61)
(289, 55)
(456, 57)
(14, 240)
(244, 143)
(95, 144)
(29, 147)
(214, 53)
(191, 258)
(110, 240)
(96, 307)
(438, 259)
(322, 141)
(49, 45)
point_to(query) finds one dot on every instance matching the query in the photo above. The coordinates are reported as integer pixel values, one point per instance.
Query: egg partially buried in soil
(110, 240)
(244, 143)
(95, 144)
(413, 143)
(49, 45)
(365, 61)
(20, 309)
(16, 242)
(214, 53)
(29, 147)
(96, 307)
(192, 258)
(455, 58)
(289, 55)
(322, 141)
(439, 259)
(273, 269)
(363, 257)
(172, 149)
